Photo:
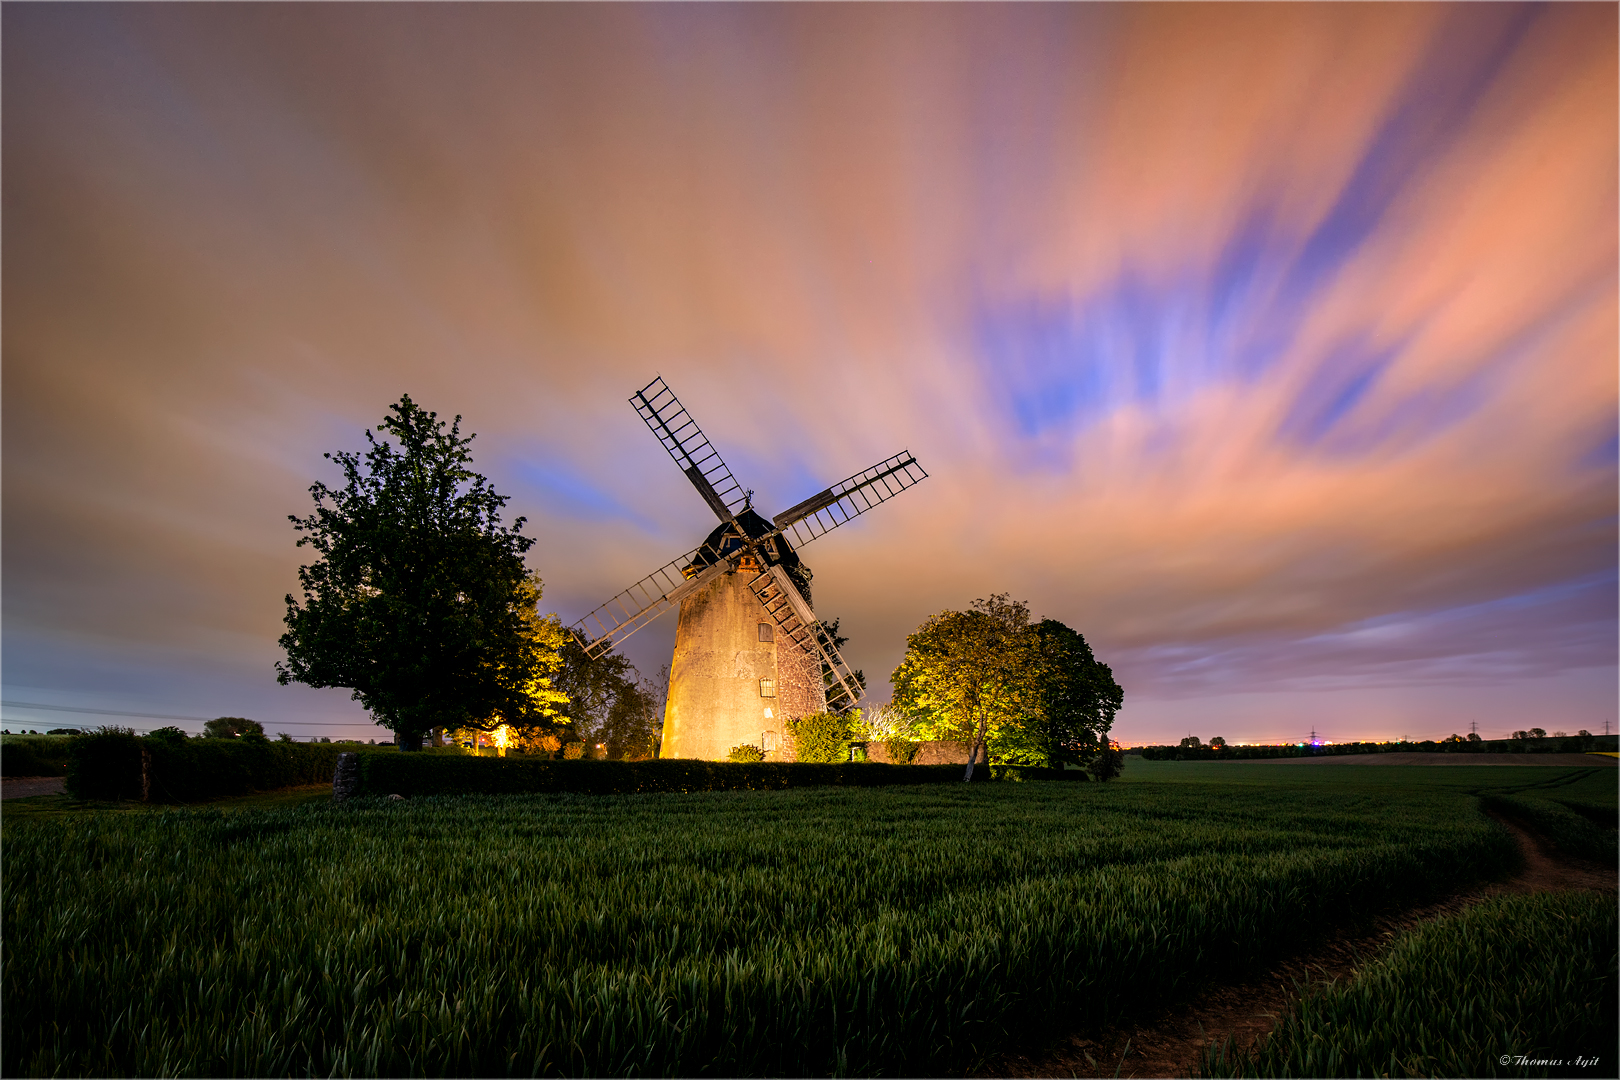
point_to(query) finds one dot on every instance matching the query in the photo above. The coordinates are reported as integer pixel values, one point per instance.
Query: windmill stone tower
(749, 652)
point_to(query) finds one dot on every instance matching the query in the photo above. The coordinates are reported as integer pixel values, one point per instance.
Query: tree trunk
(973, 751)
(408, 740)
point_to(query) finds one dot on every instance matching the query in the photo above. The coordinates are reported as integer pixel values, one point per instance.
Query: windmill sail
(824, 512)
(644, 601)
(784, 603)
(686, 443)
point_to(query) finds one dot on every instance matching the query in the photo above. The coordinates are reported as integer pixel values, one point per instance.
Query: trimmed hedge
(1020, 773)
(420, 774)
(108, 766)
(105, 764)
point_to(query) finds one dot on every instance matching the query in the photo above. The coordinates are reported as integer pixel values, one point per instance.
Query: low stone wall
(937, 752)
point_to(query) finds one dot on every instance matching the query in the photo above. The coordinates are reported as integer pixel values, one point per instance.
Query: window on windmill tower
(767, 632)
(767, 688)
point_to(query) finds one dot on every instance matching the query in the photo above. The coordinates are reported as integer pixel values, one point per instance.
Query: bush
(746, 752)
(822, 737)
(105, 764)
(421, 774)
(573, 751)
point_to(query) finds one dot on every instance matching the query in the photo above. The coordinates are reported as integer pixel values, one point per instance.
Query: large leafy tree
(420, 602)
(1077, 696)
(966, 674)
(1034, 694)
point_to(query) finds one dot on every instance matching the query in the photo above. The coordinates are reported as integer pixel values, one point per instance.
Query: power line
(167, 716)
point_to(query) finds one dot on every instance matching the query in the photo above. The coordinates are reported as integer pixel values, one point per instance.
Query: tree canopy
(1033, 694)
(420, 602)
(966, 674)
(229, 727)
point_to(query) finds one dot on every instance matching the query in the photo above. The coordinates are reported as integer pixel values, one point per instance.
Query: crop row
(810, 931)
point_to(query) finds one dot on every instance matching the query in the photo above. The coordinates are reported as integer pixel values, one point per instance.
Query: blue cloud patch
(566, 492)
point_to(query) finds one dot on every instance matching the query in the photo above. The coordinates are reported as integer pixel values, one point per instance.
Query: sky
(1271, 347)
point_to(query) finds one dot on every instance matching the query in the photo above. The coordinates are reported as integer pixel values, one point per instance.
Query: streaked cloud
(1272, 347)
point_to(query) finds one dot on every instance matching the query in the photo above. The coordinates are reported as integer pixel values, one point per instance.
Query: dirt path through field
(1170, 1043)
(21, 787)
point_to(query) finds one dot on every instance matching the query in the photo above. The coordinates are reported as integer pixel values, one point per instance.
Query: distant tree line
(1217, 749)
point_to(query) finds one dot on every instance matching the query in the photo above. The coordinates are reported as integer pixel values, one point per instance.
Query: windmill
(749, 651)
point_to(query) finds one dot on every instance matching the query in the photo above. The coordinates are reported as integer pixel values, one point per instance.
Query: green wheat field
(890, 931)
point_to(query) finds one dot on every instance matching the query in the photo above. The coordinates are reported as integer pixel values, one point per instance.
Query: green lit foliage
(823, 736)
(803, 932)
(969, 675)
(1035, 694)
(1513, 976)
(420, 602)
(746, 752)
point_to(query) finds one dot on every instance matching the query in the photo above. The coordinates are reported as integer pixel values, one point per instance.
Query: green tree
(1109, 761)
(419, 602)
(231, 727)
(1076, 698)
(822, 736)
(610, 704)
(968, 674)
(1034, 694)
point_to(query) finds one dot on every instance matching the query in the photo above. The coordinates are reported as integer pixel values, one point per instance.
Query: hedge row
(423, 774)
(114, 765)
(111, 765)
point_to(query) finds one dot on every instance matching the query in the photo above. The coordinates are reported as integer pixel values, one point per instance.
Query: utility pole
(1473, 727)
